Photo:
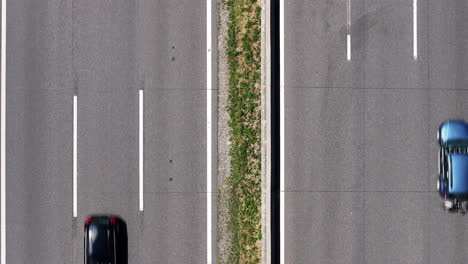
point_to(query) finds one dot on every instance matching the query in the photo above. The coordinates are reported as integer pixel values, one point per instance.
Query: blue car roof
(458, 173)
(453, 133)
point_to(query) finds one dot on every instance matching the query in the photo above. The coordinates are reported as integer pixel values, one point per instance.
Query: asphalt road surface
(105, 52)
(360, 135)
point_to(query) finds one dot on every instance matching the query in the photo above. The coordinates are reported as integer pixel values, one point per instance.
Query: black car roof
(100, 243)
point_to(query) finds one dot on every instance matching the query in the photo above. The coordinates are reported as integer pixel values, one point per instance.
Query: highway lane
(448, 98)
(360, 151)
(106, 79)
(324, 141)
(105, 52)
(172, 54)
(38, 145)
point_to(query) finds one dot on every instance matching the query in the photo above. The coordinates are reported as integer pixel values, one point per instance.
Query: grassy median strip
(244, 107)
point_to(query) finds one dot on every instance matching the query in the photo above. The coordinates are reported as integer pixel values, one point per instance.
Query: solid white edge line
(415, 29)
(2, 136)
(75, 156)
(140, 148)
(208, 134)
(282, 125)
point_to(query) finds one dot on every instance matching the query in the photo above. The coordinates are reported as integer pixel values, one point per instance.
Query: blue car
(453, 165)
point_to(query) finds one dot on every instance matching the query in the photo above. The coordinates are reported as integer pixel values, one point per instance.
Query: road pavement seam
(369, 88)
(365, 191)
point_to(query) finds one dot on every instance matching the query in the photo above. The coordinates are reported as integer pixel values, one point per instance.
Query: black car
(105, 240)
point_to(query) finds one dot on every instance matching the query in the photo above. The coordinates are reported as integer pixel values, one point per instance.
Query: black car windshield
(101, 244)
